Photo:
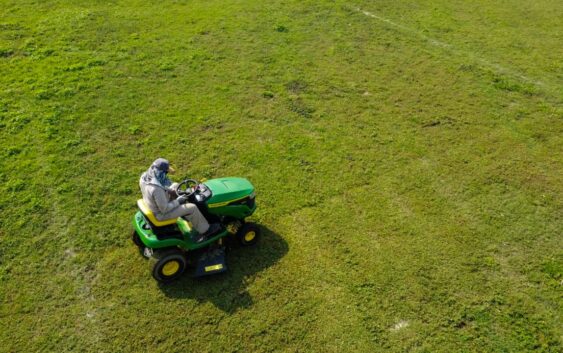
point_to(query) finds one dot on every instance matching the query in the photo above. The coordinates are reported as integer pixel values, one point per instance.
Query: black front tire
(249, 234)
(169, 265)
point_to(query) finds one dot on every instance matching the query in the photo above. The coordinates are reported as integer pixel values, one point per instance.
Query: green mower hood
(226, 190)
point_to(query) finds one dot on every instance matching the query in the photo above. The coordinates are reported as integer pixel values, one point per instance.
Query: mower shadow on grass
(227, 291)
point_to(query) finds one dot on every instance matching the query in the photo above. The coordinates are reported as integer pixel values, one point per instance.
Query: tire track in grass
(334, 321)
(79, 319)
(446, 46)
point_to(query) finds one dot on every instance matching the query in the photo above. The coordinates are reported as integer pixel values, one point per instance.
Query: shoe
(213, 230)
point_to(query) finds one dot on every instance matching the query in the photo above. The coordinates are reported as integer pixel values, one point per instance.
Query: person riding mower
(174, 232)
(159, 194)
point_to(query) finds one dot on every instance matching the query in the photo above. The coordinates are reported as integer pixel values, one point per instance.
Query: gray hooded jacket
(156, 196)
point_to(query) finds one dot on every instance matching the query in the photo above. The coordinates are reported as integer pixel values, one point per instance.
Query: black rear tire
(249, 234)
(136, 240)
(168, 265)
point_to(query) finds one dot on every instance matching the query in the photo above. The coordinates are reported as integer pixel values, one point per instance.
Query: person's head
(159, 170)
(163, 165)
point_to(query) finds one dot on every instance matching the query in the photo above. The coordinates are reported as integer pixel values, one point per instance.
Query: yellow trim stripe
(221, 204)
(214, 268)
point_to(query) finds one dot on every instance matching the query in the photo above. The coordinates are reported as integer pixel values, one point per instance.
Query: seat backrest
(150, 215)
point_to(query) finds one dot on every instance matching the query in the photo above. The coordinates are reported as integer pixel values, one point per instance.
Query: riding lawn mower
(169, 244)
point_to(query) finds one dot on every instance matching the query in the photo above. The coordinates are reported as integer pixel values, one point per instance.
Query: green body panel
(234, 211)
(228, 189)
(151, 241)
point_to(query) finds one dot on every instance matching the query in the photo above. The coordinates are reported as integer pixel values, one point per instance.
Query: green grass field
(407, 157)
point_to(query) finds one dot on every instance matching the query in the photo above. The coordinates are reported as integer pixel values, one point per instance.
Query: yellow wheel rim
(249, 236)
(170, 268)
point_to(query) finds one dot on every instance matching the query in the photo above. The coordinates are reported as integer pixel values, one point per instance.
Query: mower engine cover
(228, 190)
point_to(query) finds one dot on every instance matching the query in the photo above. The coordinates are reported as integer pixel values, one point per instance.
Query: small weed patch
(507, 84)
(297, 106)
(296, 86)
(281, 29)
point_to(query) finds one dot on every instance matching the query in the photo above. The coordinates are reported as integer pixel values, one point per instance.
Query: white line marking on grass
(406, 29)
(400, 325)
(438, 43)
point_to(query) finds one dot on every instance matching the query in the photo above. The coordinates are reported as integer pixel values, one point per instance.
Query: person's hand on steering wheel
(187, 188)
(182, 199)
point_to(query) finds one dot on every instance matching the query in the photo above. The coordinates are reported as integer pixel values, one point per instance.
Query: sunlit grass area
(406, 157)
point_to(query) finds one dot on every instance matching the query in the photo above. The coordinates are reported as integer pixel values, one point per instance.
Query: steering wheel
(187, 187)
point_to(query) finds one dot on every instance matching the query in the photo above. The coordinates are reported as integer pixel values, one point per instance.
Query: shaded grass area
(411, 198)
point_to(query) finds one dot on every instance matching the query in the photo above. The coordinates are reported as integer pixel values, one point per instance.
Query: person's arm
(161, 200)
(172, 191)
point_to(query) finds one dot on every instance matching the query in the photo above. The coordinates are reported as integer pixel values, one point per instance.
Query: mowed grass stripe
(523, 41)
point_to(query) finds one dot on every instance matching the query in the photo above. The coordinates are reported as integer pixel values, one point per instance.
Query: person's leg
(195, 217)
(190, 212)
